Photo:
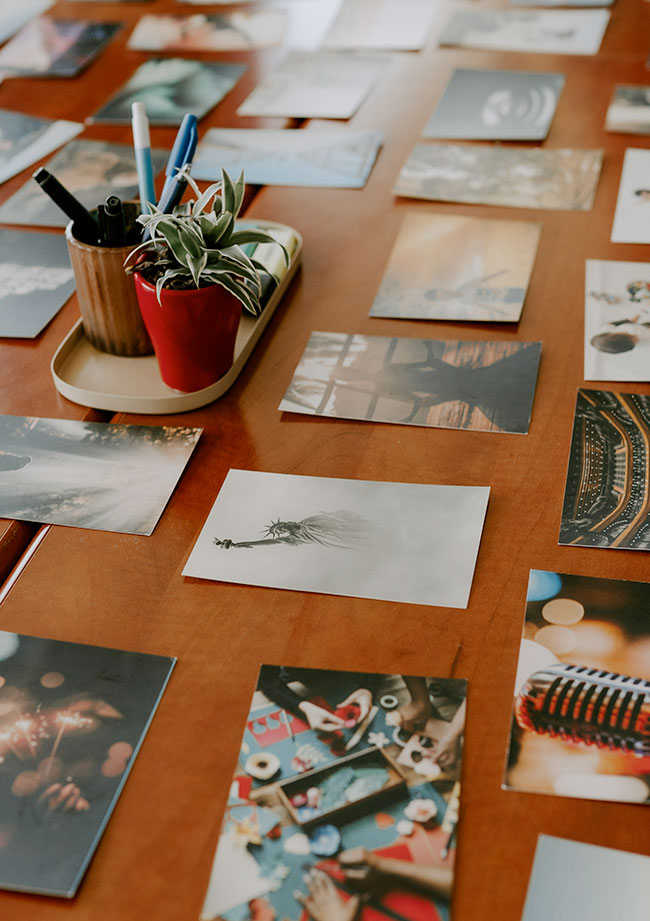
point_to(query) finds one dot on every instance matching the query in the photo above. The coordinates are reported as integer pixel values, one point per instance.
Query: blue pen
(182, 152)
(142, 145)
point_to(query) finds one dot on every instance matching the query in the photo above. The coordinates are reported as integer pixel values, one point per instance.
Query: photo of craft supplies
(341, 797)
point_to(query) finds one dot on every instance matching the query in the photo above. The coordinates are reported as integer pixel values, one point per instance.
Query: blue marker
(181, 153)
(142, 145)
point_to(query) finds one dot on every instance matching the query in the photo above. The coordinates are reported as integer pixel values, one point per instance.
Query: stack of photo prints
(346, 792)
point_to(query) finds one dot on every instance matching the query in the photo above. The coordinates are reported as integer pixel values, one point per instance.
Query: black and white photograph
(404, 542)
(629, 110)
(72, 720)
(384, 25)
(90, 474)
(36, 279)
(532, 177)
(607, 494)
(454, 267)
(632, 214)
(537, 31)
(617, 321)
(483, 386)
(170, 88)
(239, 30)
(13, 15)
(90, 170)
(328, 158)
(49, 47)
(572, 879)
(323, 84)
(24, 139)
(499, 105)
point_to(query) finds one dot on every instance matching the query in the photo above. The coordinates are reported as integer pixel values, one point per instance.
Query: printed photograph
(170, 88)
(90, 474)
(345, 800)
(629, 110)
(484, 386)
(574, 880)
(405, 542)
(49, 47)
(13, 16)
(327, 158)
(452, 267)
(577, 3)
(607, 497)
(238, 30)
(632, 214)
(36, 279)
(538, 31)
(516, 177)
(617, 321)
(390, 25)
(72, 719)
(317, 84)
(24, 139)
(90, 170)
(501, 105)
(582, 691)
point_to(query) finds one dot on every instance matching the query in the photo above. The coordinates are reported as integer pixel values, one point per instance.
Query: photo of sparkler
(71, 721)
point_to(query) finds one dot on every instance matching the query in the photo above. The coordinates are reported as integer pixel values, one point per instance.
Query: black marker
(85, 227)
(113, 222)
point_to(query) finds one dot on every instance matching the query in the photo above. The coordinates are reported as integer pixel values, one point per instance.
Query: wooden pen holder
(107, 300)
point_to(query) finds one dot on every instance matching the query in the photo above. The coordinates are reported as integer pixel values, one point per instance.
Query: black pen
(85, 227)
(114, 222)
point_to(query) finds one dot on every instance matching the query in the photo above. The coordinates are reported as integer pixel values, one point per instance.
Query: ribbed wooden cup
(107, 299)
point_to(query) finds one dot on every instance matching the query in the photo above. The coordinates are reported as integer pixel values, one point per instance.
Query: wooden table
(127, 592)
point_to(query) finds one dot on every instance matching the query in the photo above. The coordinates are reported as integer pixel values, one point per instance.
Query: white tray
(92, 378)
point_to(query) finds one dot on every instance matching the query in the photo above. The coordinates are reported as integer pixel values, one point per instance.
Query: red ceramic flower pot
(193, 332)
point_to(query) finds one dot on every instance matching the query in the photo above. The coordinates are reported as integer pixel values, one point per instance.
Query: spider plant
(197, 245)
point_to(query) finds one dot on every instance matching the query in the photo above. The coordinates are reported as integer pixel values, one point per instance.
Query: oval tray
(92, 378)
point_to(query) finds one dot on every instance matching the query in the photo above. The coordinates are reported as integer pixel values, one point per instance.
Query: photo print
(238, 30)
(327, 158)
(72, 719)
(24, 139)
(170, 88)
(617, 321)
(453, 267)
(580, 713)
(608, 486)
(316, 84)
(13, 16)
(574, 880)
(383, 25)
(323, 794)
(632, 214)
(50, 47)
(483, 386)
(90, 474)
(90, 170)
(491, 175)
(629, 110)
(537, 31)
(405, 542)
(577, 3)
(36, 279)
(501, 105)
